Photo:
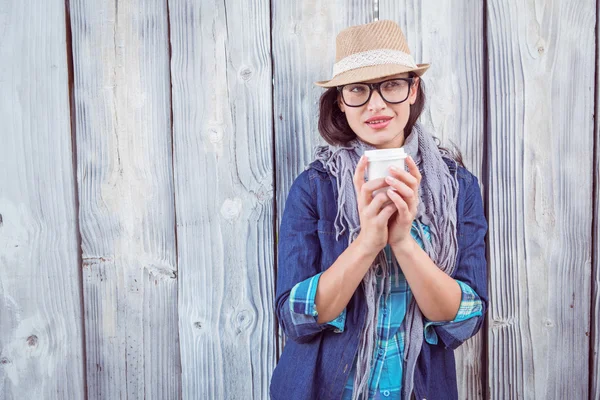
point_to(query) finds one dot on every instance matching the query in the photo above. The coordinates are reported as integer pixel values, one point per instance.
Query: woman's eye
(391, 85)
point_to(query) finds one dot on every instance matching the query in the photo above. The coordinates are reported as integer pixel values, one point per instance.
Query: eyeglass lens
(392, 91)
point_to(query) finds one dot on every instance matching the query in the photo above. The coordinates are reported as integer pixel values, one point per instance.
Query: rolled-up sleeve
(303, 308)
(464, 324)
(299, 257)
(470, 273)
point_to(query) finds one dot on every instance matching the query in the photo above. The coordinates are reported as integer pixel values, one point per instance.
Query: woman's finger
(413, 169)
(386, 213)
(373, 208)
(369, 187)
(402, 188)
(405, 177)
(409, 195)
(401, 205)
(359, 180)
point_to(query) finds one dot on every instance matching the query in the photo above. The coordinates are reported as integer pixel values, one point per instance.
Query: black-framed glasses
(393, 91)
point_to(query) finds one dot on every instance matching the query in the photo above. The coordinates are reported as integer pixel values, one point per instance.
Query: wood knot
(243, 321)
(198, 325)
(548, 323)
(501, 323)
(215, 135)
(246, 73)
(32, 340)
(4, 361)
(231, 208)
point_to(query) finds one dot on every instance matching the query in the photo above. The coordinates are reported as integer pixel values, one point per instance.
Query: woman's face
(378, 122)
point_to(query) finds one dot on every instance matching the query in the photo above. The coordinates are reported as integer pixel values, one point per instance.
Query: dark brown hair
(334, 128)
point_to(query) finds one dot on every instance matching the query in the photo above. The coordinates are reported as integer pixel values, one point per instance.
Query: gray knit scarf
(437, 209)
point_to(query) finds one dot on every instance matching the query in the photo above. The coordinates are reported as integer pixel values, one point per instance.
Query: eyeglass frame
(376, 86)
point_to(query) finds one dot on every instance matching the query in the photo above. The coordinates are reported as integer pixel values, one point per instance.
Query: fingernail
(390, 179)
(392, 168)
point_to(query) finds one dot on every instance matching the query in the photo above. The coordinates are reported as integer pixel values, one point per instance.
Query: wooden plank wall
(41, 331)
(126, 198)
(595, 308)
(147, 152)
(541, 108)
(223, 149)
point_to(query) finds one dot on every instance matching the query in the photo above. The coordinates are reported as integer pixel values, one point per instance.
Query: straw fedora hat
(370, 51)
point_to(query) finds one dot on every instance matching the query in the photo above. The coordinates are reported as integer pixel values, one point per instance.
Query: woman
(375, 292)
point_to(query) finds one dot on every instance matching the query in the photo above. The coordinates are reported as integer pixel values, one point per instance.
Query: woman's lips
(379, 123)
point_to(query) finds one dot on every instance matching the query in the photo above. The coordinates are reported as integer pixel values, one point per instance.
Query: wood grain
(449, 36)
(41, 330)
(595, 306)
(222, 116)
(127, 214)
(541, 69)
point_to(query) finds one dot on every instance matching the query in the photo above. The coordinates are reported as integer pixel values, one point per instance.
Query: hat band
(373, 57)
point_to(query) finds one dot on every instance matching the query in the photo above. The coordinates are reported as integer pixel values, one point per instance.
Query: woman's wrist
(363, 249)
(404, 247)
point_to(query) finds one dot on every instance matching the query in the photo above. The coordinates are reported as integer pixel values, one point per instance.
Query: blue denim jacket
(316, 361)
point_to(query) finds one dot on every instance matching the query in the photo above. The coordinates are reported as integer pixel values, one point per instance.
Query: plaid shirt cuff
(303, 307)
(464, 323)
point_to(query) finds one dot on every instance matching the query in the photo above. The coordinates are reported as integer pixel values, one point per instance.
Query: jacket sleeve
(303, 308)
(465, 321)
(471, 267)
(298, 258)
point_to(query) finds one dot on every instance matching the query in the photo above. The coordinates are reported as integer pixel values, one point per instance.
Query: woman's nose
(376, 102)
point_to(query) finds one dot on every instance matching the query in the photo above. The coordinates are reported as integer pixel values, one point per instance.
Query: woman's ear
(340, 103)
(414, 89)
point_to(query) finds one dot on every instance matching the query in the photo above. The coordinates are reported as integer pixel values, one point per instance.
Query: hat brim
(371, 72)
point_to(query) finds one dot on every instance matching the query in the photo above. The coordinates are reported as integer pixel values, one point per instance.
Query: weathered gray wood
(222, 115)
(449, 35)
(595, 315)
(41, 332)
(304, 52)
(127, 218)
(541, 69)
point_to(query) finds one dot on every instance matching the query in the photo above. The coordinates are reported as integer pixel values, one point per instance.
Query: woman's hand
(406, 200)
(374, 212)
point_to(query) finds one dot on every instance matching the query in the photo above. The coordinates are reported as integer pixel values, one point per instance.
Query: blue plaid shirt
(388, 366)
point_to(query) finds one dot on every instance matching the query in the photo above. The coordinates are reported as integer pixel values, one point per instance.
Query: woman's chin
(382, 139)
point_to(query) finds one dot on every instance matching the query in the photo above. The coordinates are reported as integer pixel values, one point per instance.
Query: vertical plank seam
(73, 121)
(274, 161)
(594, 235)
(485, 172)
(180, 380)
